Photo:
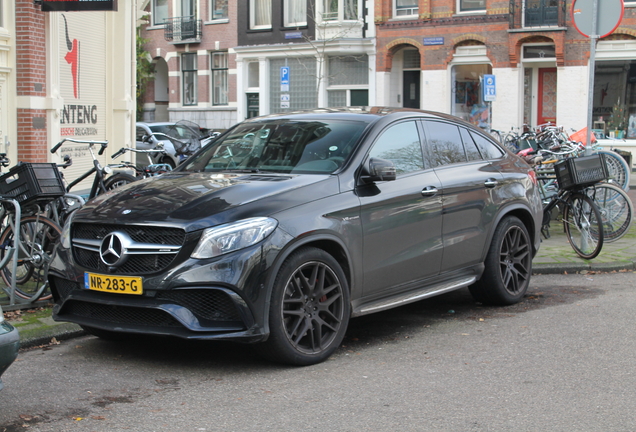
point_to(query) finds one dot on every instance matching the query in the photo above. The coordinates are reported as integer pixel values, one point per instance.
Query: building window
(302, 92)
(295, 13)
(189, 74)
(219, 78)
(348, 81)
(466, 97)
(471, 5)
(159, 11)
(253, 71)
(405, 8)
(339, 10)
(218, 10)
(260, 14)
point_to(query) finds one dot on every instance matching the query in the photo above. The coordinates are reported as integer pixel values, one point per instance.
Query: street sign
(608, 17)
(284, 100)
(284, 78)
(490, 88)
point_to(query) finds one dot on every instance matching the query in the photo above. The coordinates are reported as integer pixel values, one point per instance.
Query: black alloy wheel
(309, 311)
(508, 265)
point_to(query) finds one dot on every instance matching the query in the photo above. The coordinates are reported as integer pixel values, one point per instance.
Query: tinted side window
(444, 143)
(487, 148)
(401, 145)
(472, 152)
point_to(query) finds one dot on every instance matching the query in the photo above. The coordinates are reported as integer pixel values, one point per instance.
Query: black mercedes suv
(288, 225)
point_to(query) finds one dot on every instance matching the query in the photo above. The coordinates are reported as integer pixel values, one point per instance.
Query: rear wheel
(616, 209)
(617, 168)
(508, 265)
(118, 180)
(309, 311)
(583, 226)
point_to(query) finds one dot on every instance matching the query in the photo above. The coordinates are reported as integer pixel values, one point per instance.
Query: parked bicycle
(28, 238)
(150, 170)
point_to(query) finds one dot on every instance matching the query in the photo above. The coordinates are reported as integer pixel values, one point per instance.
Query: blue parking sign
(490, 88)
(284, 78)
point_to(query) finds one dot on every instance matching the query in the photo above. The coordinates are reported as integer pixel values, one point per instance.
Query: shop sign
(78, 5)
(433, 41)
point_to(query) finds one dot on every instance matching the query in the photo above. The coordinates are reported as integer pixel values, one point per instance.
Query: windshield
(281, 146)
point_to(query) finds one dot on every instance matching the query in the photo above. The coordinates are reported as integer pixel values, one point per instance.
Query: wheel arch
(525, 216)
(327, 242)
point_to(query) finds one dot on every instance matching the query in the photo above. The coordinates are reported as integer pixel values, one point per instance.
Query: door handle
(429, 191)
(491, 183)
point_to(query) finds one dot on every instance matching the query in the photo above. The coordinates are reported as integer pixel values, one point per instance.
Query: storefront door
(411, 89)
(546, 108)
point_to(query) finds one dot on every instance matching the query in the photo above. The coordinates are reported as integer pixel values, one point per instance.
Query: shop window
(189, 78)
(219, 78)
(159, 11)
(466, 97)
(218, 9)
(471, 5)
(405, 8)
(614, 110)
(253, 70)
(260, 14)
(295, 13)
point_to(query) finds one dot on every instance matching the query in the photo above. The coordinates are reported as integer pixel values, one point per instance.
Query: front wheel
(583, 226)
(309, 310)
(508, 265)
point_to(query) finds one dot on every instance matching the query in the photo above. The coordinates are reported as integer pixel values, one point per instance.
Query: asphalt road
(562, 360)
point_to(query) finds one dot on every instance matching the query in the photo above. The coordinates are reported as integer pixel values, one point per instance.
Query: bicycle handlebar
(90, 143)
(123, 150)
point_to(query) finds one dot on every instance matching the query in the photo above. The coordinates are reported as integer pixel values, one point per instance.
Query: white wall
(507, 110)
(572, 97)
(435, 94)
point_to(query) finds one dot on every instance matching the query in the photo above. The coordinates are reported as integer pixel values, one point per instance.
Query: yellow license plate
(113, 284)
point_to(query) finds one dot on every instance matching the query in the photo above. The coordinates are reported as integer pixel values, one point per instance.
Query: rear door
(469, 189)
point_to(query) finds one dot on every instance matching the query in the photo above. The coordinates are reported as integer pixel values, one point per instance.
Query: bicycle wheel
(39, 237)
(510, 142)
(118, 180)
(495, 134)
(617, 168)
(583, 228)
(616, 209)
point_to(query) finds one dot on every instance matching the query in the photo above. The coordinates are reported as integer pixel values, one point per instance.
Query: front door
(547, 96)
(411, 90)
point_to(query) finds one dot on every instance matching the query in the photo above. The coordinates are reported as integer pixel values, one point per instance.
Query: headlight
(231, 237)
(66, 232)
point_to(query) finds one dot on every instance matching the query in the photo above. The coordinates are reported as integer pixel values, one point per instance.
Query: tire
(583, 227)
(508, 265)
(617, 168)
(118, 180)
(617, 210)
(309, 310)
(166, 160)
(39, 236)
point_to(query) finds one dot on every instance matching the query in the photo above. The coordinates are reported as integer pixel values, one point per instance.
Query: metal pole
(590, 94)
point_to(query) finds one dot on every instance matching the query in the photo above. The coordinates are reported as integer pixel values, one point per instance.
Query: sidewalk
(555, 256)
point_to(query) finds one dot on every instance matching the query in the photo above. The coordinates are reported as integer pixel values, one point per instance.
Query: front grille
(136, 264)
(212, 305)
(121, 314)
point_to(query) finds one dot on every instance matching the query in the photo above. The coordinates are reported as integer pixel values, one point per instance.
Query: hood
(200, 200)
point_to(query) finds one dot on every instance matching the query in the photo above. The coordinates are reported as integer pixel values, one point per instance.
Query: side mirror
(377, 169)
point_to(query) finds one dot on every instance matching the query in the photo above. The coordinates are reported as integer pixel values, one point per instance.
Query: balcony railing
(182, 29)
(537, 13)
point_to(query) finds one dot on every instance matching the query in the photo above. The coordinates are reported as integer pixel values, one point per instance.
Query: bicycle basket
(28, 182)
(580, 171)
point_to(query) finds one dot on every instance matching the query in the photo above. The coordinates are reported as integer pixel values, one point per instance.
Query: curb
(563, 268)
(30, 342)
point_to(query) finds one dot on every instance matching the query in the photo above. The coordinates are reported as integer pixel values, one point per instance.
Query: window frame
(153, 15)
(287, 22)
(414, 9)
(339, 14)
(421, 137)
(222, 72)
(461, 10)
(191, 73)
(252, 17)
(212, 4)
